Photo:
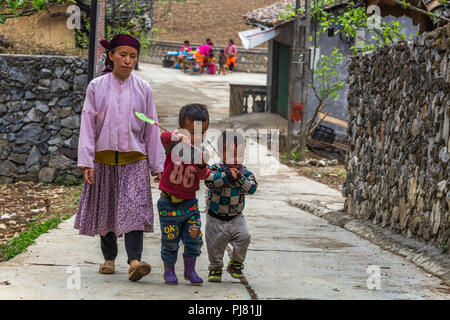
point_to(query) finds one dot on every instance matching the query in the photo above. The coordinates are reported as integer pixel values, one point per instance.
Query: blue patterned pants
(179, 221)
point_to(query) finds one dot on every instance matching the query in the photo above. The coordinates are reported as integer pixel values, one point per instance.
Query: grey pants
(219, 233)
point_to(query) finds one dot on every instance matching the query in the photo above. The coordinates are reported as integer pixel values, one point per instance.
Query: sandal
(138, 270)
(108, 267)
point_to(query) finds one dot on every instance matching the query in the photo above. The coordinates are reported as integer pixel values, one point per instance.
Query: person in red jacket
(179, 216)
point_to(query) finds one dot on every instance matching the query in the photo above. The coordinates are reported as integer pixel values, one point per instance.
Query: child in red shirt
(184, 167)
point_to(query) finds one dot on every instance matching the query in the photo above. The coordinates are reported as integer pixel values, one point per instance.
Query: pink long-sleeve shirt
(230, 50)
(204, 49)
(108, 121)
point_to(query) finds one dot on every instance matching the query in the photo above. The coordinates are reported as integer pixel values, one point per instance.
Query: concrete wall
(39, 33)
(41, 98)
(398, 164)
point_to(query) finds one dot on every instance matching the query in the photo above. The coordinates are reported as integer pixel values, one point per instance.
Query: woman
(115, 153)
(202, 54)
(185, 51)
(230, 53)
(186, 46)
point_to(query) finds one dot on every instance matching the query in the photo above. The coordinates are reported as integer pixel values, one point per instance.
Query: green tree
(16, 8)
(353, 23)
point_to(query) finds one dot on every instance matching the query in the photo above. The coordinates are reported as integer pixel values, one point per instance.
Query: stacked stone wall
(41, 98)
(398, 164)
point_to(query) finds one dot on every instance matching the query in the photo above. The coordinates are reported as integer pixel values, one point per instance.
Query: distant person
(222, 61)
(202, 55)
(212, 63)
(181, 59)
(186, 47)
(231, 53)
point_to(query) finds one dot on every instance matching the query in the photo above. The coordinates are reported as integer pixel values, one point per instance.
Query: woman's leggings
(133, 244)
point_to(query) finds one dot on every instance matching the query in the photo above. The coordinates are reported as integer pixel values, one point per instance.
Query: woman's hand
(88, 175)
(158, 177)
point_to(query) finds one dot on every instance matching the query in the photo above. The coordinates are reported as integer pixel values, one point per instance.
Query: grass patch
(68, 182)
(19, 244)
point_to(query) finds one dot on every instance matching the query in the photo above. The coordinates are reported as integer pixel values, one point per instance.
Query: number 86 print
(187, 177)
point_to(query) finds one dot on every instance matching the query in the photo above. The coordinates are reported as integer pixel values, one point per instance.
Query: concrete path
(293, 254)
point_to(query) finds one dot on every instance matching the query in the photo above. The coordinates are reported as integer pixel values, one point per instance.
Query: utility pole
(306, 30)
(298, 91)
(96, 32)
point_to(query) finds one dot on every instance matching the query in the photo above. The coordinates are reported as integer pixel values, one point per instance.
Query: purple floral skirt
(119, 200)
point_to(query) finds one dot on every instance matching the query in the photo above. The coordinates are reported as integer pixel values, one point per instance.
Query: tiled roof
(270, 15)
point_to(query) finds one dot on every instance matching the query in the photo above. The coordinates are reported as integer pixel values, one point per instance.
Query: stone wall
(41, 98)
(398, 164)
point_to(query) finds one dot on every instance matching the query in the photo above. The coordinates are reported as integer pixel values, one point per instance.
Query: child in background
(222, 61)
(181, 59)
(212, 63)
(228, 184)
(186, 47)
(178, 206)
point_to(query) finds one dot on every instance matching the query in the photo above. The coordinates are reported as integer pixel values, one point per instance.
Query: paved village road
(292, 255)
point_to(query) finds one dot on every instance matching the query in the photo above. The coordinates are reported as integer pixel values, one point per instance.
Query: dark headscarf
(117, 41)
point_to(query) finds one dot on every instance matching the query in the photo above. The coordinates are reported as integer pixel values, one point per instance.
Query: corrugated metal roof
(270, 15)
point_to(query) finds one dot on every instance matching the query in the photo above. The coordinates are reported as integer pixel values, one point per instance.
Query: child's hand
(234, 172)
(205, 157)
(184, 139)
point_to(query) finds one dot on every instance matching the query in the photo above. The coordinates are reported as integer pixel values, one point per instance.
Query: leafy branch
(17, 8)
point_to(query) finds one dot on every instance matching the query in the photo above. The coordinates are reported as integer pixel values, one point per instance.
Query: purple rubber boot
(189, 271)
(169, 275)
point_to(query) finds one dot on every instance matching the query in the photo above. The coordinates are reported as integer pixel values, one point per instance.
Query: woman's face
(124, 59)
(229, 43)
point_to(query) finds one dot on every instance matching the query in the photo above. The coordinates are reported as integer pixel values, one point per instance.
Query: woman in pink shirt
(186, 47)
(230, 53)
(116, 151)
(203, 54)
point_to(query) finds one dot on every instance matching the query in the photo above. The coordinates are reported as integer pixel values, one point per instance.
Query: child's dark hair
(230, 137)
(231, 40)
(186, 42)
(193, 111)
(222, 51)
(211, 55)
